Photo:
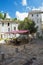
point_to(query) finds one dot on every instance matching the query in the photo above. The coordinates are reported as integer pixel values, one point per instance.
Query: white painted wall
(5, 29)
(42, 18)
(37, 19)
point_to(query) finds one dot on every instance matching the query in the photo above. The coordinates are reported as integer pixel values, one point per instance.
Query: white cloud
(21, 16)
(35, 8)
(7, 15)
(29, 8)
(24, 2)
(39, 8)
(2, 11)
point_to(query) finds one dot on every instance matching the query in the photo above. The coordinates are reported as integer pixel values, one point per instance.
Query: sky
(20, 8)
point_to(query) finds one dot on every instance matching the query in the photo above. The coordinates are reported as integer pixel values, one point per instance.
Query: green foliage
(27, 24)
(40, 37)
(1, 15)
(4, 16)
(14, 19)
(8, 19)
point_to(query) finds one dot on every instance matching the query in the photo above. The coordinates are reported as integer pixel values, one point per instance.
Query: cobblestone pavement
(28, 54)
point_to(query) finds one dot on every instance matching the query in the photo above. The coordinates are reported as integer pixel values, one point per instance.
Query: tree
(1, 15)
(27, 24)
(4, 16)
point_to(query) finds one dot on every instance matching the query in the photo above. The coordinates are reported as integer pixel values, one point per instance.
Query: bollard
(2, 56)
(16, 50)
(24, 46)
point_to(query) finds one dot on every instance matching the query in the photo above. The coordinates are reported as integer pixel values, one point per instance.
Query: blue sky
(15, 8)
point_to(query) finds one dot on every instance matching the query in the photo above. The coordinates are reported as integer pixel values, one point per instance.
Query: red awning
(18, 32)
(23, 31)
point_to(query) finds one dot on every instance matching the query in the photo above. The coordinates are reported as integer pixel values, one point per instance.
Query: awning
(18, 32)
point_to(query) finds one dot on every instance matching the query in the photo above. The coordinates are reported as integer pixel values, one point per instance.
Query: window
(14, 28)
(8, 29)
(2, 24)
(8, 24)
(32, 15)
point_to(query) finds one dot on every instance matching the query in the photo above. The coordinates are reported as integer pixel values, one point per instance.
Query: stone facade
(37, 17)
